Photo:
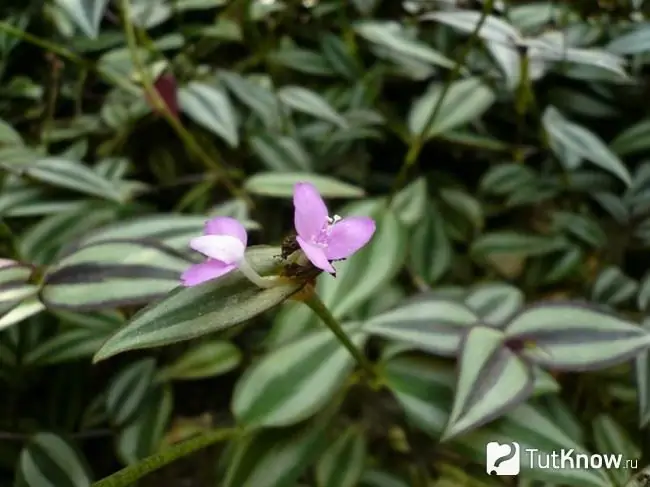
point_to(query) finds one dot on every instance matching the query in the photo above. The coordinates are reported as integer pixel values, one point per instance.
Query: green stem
(128, 475)
(318, 307)
(418, 141)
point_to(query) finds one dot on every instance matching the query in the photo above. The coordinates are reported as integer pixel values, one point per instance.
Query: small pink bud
(167, 89)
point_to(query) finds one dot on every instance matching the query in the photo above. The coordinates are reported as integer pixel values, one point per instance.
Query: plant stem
(128, 475)
(417, 142)
(318, 307)
(187, 138)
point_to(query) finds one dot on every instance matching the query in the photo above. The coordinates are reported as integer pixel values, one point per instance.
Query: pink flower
(223, 243)
(322, 238)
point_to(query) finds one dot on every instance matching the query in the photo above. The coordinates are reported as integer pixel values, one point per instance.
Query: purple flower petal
(349, 235)
(310, 211)
(224, 225)
(205, 271)
(225, 248)
(316, 255)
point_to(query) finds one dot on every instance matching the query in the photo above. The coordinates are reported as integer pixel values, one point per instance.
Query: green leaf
(359, 277)
(583, 143)
(632, 140)
(280, 185)
(433, 325)
(642, 376)
(208, 359)
(492, 380)
(525, 245)
(144, 434)
(68, 346)
(49, 461)
(188, 313)
(306, 101)
(294, 381)
(260, 100)
(410, 204)
(392, 37)
(86, 14)
(112, 273)
(8, 135)
(209, 106)
(612, 287)
(424, 389)
(66, 174)
(611, 438)
(379, 478)
(275, 457)
(14, 285)
(281, 152)
(26, 309)
(341, 465)
(465, 101)
(431, 250)
(505, 179)
(575, 337)
(128, 390)
(495, 303)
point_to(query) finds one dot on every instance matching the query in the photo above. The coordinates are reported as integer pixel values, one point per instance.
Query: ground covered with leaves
(499, 149)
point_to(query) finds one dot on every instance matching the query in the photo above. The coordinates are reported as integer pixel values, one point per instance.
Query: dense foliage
(500, 148)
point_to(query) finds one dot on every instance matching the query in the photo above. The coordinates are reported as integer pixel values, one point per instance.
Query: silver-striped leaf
(207, 359)
(275, 457)
(49, 461)
(610, 438)
(293, 382)
(573, 336)
(343, 462)
(128, 390)
(642, 373)
(14, 285)
(188, 313)
(430, 324)
(491, 381)
(111, 274)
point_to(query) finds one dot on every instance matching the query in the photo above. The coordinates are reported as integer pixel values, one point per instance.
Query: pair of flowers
(322, 239)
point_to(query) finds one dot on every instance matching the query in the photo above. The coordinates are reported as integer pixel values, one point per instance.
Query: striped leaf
(491, 381)
(430, 324)
(174, 231)
(642, 373)
(575, 337)
(362, 275)
(275, 457)
(495, 303)
(144, 434)
(67, 174)
(14, 285)
(533, 429)
(293, 382)
(49, 461)
(610, 437)
(281, 184)
(424, 388)
(113, 273)
(188, 313)
(26, 309)
(207, 359)
(127, 391)
(343, 462)
(67, 346)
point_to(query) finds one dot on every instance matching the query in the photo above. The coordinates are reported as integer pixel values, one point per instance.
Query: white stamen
(336, 218)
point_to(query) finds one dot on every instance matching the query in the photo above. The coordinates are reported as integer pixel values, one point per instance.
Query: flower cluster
(321, 238)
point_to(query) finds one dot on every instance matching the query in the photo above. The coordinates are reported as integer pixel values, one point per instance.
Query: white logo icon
(502, 459)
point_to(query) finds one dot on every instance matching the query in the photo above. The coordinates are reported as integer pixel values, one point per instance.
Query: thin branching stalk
(318, 307)
(187, 138)
(129, 475)
(417, 142)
